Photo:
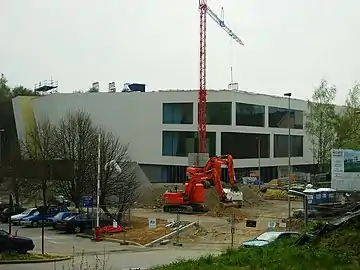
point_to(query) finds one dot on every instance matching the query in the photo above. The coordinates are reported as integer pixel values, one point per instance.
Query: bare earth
(217, 230)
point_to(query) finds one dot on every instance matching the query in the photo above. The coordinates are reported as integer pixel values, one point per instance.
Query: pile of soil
(217, 209)
(152, 197)
(250, 197)
(139, 231)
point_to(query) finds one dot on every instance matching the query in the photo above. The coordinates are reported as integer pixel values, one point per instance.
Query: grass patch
(275, 257)
(336, 250)
(12, 256)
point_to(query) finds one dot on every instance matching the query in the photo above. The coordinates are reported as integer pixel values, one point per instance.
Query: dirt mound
(216, 209)
(250, 197)
(153, 197)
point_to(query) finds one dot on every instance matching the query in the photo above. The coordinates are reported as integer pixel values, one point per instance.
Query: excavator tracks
(185, 209)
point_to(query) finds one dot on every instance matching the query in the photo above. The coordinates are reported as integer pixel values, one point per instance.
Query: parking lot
(62, 243)
(117, 256)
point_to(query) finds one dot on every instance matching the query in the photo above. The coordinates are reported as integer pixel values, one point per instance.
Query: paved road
(116, 256)
(119, 260)
(61, 243)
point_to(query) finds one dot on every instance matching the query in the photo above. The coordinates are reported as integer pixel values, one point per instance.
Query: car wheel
(35, 224)
(77, 229)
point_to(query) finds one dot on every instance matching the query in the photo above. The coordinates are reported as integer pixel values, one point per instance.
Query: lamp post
(97, 229)
(259, 159)
(289, 152)
(115, 165)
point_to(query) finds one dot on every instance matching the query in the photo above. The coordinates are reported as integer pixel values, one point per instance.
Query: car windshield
(69, 217)
(3, 233)
(58, 215)
(27, 211)
(268, 236)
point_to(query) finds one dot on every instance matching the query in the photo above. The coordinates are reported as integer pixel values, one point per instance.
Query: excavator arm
(201, 177)
(216, 163)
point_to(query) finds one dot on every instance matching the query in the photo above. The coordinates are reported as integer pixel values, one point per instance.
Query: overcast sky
(289, 45)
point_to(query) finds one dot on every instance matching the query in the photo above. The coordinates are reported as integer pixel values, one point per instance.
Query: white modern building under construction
(161, 127)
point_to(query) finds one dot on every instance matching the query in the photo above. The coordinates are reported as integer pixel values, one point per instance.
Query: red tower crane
(204, 11)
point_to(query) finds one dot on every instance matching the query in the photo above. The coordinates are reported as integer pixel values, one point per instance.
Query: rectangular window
(245, 145)
(250, 115)
(281, 146)
(279, 118)
(178, 113)
(181, 143)
(218, 113)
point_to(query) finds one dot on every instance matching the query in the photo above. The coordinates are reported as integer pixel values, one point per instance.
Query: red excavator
(192, 198)
(216, 163)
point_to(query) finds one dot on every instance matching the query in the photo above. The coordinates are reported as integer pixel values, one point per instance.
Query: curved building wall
(137, 118)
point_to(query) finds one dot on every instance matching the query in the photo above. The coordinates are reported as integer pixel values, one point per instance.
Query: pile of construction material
(217, 209)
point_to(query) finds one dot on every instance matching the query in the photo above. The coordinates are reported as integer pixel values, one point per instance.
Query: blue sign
(88, 201)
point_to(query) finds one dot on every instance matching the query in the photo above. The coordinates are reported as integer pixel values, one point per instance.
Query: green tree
(22, 91)
(320, 123)
(348, 121)
(5, 90)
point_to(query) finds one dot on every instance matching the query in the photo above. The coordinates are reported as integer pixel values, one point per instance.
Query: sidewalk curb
(60, 259)
(129, 243)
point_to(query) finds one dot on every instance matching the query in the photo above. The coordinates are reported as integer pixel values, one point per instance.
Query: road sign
(251, 223)
(271, 224)
(152, 223)
(88, 201)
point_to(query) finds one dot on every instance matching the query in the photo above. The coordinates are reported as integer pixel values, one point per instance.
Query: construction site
(197, 168)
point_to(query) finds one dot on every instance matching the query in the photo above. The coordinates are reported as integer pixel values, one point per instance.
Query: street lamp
(289, 152)
(116, 166)
(97, 229)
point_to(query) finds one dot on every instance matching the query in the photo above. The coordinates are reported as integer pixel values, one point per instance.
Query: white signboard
(345, 170)
(271, 224)
(115, 224)
(282, 225)
(152, 223)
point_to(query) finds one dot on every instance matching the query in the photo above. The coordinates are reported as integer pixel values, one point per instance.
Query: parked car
(42, 213)
(59, 200)
(8, 212)
(9, 242)
(3, 206)
(15, 219)
(269, 237)
(80, 223)
(60, 217)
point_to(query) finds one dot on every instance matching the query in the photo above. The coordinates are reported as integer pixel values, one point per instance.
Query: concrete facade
(136, 118)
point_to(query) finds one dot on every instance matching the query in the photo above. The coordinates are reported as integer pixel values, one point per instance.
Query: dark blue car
(42, 214)
(60, 217)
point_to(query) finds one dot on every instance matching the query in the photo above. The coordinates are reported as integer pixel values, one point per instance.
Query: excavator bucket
(228, 204)
(234, 198)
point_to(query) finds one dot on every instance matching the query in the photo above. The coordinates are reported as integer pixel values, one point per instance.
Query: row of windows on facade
(219, 113)
(239, 145)
(177, 174)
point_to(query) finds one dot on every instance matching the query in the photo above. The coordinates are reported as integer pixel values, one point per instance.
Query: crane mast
(202, 88)
(204, 11)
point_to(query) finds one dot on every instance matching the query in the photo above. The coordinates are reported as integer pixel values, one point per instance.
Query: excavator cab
(192, 198)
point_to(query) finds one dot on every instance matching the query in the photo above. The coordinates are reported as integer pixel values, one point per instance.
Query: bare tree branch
(119, 189)
(39, 146)
(75, 135)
